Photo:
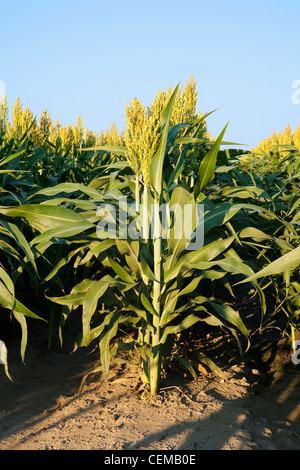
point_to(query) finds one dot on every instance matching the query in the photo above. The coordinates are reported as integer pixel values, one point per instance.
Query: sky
(89, 58)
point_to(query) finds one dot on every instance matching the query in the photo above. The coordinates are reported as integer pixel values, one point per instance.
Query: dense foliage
(55, 182)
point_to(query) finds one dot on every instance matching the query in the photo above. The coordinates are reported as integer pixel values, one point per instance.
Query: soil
(254, 406)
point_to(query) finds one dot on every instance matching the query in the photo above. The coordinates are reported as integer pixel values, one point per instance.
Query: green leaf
(188, 261)
(8, 301)
(43, 217)
(63, 232)
(169, 305)
(213, 367)
(11, 171)
(147, 304)
(177, 243)
(121, 272)
(70, 299)
(95, 292)
(188, 366)
(218, 215)
(22, 321)
(157, 162)
(62, 263)
(85, 204)
(230, 315)
(117, 149)
(245, 192)
(255, 234)
(146, 270)
(187, 322)
(3, 359)
(95, 249)
(21, 241)
(190, 287)
(286, 262)
(173, 131)
(208, 164)
(7, 281)
(106, 337)
(68, 188)
(234, 265)
(131, 252)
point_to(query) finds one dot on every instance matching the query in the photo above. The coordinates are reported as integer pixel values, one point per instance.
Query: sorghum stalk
(155, 363)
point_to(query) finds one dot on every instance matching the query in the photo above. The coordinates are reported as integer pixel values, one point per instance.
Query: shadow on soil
(265, 417)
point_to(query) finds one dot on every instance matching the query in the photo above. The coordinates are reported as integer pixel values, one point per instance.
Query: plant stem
(145, 215)
(155, 364)
(137, 193)
(293, 338)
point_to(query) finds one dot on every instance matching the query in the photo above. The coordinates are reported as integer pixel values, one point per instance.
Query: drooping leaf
(63, 232)
(69, 299)
(120, 271)
(188, 366)
(43, 217)
(106, 337)
(117, 149)
(21, 241)
(286, 262)
(95, 292)
(3, 358)
(62, 263)
(8, 301)
(255, 234)
(211, 364)
(230, 315)
(68, 188)
(187, 322)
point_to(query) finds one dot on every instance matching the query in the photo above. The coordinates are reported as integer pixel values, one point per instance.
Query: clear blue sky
(90, 57)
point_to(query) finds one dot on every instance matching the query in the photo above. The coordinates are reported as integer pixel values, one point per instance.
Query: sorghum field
(118, 333)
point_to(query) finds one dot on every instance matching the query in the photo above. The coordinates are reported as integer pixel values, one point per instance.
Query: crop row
(59, 248)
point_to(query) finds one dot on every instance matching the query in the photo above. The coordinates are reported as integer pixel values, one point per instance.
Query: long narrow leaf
(67, 188)
(63, 232)
(189, 260)
(208, 165)
(117, 149)
(21, 241)
(230, 315)
(106, 338)
(43, 217)
(183, 325)
(286, 262)
(8, 301)
(90, 302)
(157, 162)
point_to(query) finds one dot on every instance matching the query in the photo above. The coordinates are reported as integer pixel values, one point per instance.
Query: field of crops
(147, 233)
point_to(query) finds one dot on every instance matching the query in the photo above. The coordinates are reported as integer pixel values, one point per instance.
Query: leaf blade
(208, 164)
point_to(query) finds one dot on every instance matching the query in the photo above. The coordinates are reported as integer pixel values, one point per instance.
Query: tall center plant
(154, 286)
(152, 283)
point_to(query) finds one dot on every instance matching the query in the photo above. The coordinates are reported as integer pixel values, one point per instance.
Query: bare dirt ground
(257, 407)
